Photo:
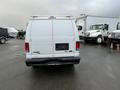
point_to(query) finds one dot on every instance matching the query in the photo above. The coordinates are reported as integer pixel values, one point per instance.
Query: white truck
(95, 28)
(52, 41)
(114, 36)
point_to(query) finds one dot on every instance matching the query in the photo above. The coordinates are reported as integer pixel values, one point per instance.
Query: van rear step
(52, 61)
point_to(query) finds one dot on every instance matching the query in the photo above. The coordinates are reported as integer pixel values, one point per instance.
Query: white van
(52, 41)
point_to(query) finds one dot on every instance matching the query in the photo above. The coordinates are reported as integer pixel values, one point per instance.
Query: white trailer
(95, 28)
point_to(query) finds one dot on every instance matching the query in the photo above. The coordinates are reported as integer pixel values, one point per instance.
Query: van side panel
(76, 38)
(75, 32)
(27, 38)
(41, 38)
(63, 36)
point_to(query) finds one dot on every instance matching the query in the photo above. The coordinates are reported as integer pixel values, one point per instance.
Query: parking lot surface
(99, 70)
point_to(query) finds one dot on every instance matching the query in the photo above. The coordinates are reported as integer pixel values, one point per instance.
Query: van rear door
(63, 38)
(41, 39)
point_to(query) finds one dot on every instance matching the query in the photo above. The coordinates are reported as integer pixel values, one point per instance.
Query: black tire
(2, 40)
(99, 39)
(109, 43)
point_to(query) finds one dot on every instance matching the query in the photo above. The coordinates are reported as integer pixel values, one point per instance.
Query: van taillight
(27, 47)
(77, 45)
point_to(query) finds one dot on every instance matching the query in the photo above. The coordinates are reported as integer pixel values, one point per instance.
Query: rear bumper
(52, 61)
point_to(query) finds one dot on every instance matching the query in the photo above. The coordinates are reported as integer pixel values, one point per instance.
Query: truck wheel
(2, 41)
(99, 40)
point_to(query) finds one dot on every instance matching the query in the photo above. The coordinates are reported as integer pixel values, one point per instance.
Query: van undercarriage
(52, 61)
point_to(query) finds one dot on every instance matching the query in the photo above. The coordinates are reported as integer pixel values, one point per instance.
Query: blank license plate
(61, 46)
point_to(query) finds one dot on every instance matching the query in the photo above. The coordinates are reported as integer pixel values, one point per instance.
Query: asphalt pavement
(99, 70)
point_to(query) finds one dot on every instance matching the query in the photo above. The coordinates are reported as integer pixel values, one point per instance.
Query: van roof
(51, 17)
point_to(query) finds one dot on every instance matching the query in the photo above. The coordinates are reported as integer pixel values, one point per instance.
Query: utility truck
(114, 36)
(95, 28)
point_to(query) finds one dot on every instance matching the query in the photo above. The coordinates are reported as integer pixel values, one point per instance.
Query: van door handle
(68, 51)
(37, 52)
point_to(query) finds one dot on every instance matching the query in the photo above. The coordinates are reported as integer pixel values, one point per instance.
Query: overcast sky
(15, 13)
